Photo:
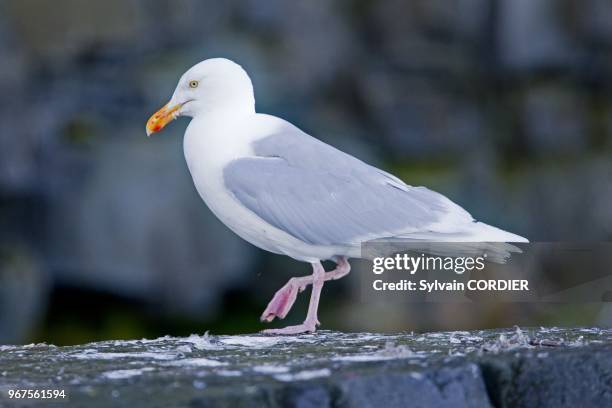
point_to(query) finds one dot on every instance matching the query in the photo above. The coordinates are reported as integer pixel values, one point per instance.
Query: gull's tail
(481, 232)
(472, 239)
(472, 232)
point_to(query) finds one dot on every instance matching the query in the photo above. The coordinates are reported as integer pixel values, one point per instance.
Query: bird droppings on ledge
(505, 342)
(304, 375)
(122, 374)
(270, 369)
(353, 369)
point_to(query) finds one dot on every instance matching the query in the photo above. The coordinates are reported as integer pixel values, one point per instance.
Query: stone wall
(546, 367)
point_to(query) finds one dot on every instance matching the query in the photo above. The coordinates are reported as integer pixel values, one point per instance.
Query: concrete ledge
(510, 367)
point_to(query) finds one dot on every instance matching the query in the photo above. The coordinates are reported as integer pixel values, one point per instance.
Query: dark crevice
(496, 376)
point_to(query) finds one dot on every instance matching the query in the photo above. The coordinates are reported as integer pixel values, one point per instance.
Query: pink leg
(283, 299)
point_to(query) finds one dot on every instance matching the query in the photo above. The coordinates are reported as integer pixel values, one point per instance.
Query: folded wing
(323, 196)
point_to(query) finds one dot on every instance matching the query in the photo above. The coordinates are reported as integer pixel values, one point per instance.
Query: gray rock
(24, 290)
(572, 192)
(595, 17)
(554, 120)
(530, 367)
(135, 223)
(533, 35)
(430, 35)
(421, 119)
(41, 26)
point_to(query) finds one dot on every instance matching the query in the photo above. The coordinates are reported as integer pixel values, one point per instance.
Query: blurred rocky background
(503, 105)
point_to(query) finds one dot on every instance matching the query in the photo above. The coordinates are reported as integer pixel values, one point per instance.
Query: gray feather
(323, 196)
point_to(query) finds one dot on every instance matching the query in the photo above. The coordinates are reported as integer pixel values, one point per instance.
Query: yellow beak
(162, 117)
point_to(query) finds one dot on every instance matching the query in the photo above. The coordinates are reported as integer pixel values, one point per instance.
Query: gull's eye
(193, 84)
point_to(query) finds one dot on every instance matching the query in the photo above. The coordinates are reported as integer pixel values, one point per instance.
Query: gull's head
(215, 85)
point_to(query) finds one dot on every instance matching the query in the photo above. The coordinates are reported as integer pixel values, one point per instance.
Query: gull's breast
(207, 151)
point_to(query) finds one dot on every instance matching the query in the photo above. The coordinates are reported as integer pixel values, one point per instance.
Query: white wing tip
(488, 233)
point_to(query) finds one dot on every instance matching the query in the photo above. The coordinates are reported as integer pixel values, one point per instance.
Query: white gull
(286, 192)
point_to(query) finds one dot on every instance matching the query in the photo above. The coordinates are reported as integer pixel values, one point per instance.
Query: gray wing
(323, 196)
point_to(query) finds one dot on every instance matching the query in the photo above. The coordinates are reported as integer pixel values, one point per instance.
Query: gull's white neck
(210, 143)
(213, 139)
